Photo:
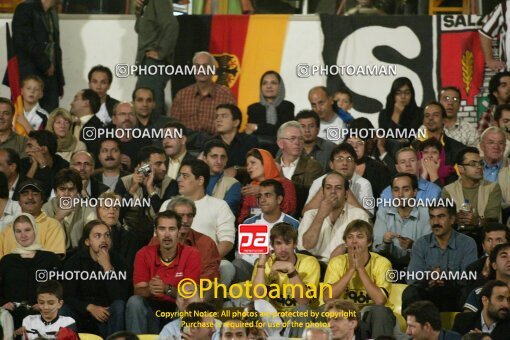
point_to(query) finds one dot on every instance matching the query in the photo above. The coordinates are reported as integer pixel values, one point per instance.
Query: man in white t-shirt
(322, 103)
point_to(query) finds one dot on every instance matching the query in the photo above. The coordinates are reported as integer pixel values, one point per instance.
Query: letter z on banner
(253, 239)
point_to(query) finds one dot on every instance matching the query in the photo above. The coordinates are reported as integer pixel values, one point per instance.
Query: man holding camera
(148, 182)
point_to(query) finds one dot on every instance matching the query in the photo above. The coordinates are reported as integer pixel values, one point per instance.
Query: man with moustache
(444, 250)
(98, 304)
(175, 147)
(158, 270)
(51, 235)
(499, 93)
(502, 120)
(111, 169)
(8, 137)
(493, 318)
(406, 161)
(83, 162)
(155, 186)
(322, 104)
(484, 196)
(342, 160)
(321, 230)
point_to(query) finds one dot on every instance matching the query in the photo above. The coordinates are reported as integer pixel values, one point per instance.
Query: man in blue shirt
(220, 185)
(396, 228)
(407, 162)
(424, 322)
(437, 261)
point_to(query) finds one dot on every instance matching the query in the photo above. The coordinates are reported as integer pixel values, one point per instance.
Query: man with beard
(111, 169)
(502, 120)
(484, 196)
(83, 162)
(424, 323)
(342, 160)
(315, 147)
(445, 251)
(322, 104)
(149, 183)
(493, 318)
(499, 93)
(297, 167)
(158, 270)
(321, 230)
(398, 227)
(50, 235)
(455, 128)
(500, 270)
(175, 147)
(124, 122)
(97, 304)
(9, 138)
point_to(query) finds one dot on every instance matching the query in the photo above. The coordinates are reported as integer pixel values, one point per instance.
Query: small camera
(145, 170)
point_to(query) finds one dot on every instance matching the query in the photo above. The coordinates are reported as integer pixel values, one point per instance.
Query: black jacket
(31, 38)
(465, 322)
(257, 115)
(47, 174)
(97, 187)
(110, 103)
(92, 143)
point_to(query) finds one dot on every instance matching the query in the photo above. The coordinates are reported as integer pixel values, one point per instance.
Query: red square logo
(253, 239)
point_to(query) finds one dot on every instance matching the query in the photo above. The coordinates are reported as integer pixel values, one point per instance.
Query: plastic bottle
(466, 207)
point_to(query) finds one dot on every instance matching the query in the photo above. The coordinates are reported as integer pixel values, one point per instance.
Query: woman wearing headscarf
(60, 123)
(266, 116)
(21, 270)
(261, 166)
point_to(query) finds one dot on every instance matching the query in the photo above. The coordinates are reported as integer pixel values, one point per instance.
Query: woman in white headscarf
(266, 116)
(23, 269)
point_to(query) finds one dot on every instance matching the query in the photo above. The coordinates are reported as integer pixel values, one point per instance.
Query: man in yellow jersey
(360, 276)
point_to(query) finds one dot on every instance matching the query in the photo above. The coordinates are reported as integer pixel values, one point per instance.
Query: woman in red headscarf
(261, 166)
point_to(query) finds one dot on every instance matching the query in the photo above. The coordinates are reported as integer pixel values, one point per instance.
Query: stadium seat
(447, 319)
(87, 336)
(395, 297)
(148, 336)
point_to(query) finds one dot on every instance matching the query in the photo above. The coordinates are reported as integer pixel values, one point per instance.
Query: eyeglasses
(341, 159)
(474, 164)
(451, 99)
(293, 139)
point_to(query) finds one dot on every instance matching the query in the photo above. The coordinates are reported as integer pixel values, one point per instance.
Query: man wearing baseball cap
(50, 235)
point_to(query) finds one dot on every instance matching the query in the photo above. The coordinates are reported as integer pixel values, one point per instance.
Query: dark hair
(488, 287)
(277, 186)
(449, 88)
(494, 83)
(395, 86)
(87, 229)
(133, 95)
(430, 142)
(443, 203)
(343, 147)
(93, 99)
(68, 175)
(124, 335)
(234, 111)
(256, 154)
(277, 75)
(459, 159)
(12, 157)
(424, 311)
(7, 101)
(169, 214)
(4, 186)
(198, 168)
(495, 252)
(214, 143)
(177, 125)
(304, 114)
(145, 153)
(237, 322)
(413, 178)
(51, 287)
(333, 172)
(499, 111)
(495, 226)
(361, 123)
(441, 108)
(476, 336)
(103, 69)
(344, 90)
(45, 138)
(283, 230)
(113, 139)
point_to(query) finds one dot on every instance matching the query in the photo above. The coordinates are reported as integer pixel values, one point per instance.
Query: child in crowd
(48, 323)
(34, 117)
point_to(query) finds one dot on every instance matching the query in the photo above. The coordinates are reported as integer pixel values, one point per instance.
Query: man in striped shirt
(494, 25)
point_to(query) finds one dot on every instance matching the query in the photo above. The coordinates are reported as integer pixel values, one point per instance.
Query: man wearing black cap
(50, 234)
